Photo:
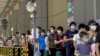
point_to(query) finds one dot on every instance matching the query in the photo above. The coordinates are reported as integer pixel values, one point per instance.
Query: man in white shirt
(76, 38)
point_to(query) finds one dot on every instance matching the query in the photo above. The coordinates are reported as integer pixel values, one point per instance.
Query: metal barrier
(12, 51)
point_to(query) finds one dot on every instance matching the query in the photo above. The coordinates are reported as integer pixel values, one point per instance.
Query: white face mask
(52, 31)
(22, 36)
(73, 27)
(48, 33)
(42, 34)
(86, 40)
(58, 31)
(93, 28)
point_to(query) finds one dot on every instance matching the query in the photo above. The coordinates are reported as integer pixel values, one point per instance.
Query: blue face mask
(86, 40)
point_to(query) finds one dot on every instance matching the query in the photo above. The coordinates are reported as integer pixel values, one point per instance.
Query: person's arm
(66, 39)
(74, 44)
(57, 41)
(20, 40)
(97, 44)
(48, 47)
(90, 53)
(76, 51)
(13, 38)
(74, 39)
(97, 49)
(91, 36)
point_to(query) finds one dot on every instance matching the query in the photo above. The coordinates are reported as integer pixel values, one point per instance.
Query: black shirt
(98, 39)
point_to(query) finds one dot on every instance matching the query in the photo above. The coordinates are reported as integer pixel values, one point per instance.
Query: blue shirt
(69, 34)
(84, 49)
(42, 44)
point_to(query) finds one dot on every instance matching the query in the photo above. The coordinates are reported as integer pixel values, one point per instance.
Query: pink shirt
(9, 43)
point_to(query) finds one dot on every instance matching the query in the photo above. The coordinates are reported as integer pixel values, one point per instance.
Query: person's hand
(71, 39)
(76, 53)
(13, 37)
(61, 40)
(49, 52)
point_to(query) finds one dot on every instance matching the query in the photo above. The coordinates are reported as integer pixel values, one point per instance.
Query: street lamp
(31, 6)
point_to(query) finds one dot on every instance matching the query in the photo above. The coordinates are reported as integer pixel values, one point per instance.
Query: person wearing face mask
(46, 40)
(84, 48)
(41, 41)
(92, 35)
(92, 29)
(68, 36)
(76, 37)
(52, 46)
(24, 43)
(59, 42)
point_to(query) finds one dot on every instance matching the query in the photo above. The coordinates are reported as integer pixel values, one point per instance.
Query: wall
(83, 10)
(41, 15)
(50, 12)
(97, 9)
(57, 15)
(20, 20)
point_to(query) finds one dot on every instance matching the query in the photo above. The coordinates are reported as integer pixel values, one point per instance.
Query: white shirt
(76, 38)
(46, 39)
(30, 39)
(1, 43)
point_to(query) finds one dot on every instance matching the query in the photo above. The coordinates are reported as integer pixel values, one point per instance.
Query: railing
(12, 51)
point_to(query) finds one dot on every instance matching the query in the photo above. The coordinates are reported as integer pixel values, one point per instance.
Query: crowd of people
(82, 42)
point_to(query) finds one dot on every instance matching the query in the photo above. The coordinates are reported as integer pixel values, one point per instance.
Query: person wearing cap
(92, 35)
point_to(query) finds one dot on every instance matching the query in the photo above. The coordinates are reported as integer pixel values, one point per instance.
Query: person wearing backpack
(58, 40)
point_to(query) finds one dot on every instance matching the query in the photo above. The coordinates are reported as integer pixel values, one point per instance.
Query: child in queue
(41, 41)
(84, 48)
